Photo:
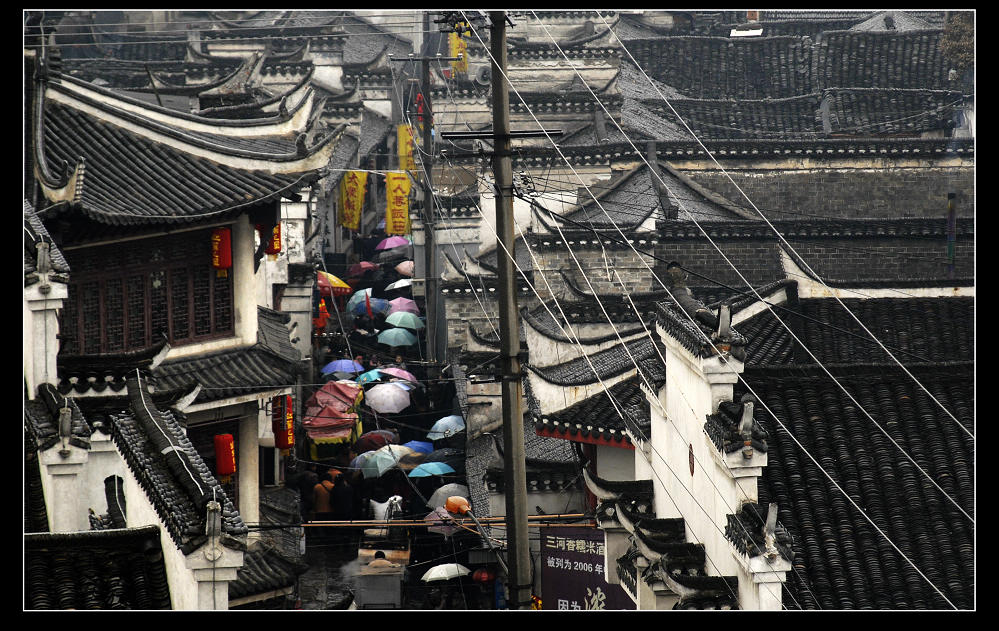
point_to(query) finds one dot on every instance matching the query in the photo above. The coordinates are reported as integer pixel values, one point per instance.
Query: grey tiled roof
(141, 181)
(41, 416)
(598, 418)
(841, 561)
(608, 363)
(916, 330)
(97, 569)
(229, 373)
(273, 332)
(264, 570)
(177, 481)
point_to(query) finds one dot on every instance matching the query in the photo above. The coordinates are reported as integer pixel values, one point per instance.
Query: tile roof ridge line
(117, 96)
(151, 126)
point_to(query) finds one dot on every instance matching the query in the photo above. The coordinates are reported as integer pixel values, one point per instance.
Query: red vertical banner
(397, 203)
(222, 251)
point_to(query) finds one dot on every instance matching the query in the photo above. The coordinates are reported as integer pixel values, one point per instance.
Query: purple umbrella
(441, 521)
(392, 242)
(403, 304)
(400, 373)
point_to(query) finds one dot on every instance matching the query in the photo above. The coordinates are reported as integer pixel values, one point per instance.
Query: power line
(781, 237)
(824, 472)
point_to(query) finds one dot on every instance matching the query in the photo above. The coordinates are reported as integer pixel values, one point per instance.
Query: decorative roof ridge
(281, 99)
(185, 136)
(617, 489)
(640, 348)
(831, 228)
(693, 325)
(533, 321)
(186, 468)
(115, 95)
(738, 304)
(76, 537)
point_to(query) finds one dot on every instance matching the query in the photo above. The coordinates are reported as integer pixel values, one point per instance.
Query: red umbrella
(358, 269)
(330, 285)
(374, 440)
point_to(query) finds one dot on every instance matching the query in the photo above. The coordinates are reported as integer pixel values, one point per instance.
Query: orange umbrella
(330, 285)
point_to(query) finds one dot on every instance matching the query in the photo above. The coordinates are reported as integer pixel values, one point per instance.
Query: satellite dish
(483, 75)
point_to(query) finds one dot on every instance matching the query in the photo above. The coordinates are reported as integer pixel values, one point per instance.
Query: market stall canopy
(329, 414)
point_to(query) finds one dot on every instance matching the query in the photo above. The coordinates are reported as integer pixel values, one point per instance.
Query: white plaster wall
(40, 329)
(244, 287)
(545, 351)
(615, 463)
(552, 398)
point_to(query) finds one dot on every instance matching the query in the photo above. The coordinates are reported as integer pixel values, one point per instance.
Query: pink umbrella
(392, 242)
(400, 373)
(403, 304)
(405, 268)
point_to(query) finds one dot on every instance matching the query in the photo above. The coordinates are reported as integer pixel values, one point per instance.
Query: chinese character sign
(572, 571)
(458, 48)
(352, 198)
(405, 142)
(397, 203)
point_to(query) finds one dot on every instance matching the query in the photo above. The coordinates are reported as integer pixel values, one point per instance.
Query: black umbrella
(394, 255)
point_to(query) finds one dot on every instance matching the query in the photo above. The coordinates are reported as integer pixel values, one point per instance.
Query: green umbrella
(406, 320)
(397, 337)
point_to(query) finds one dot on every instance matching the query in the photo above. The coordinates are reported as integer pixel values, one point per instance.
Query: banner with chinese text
(458, 48)
(572, 571)
(405, 142)
(352, 187)
(397, 203)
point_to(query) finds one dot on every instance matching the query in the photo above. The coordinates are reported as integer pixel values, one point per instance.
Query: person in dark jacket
(342, 498)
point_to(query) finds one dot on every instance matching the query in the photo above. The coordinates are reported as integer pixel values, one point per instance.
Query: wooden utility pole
(430, 251)
(429, 236)
(515, 466)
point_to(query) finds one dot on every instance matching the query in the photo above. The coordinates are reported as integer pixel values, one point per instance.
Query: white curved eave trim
(312, 162)
(66, 193)
(808, 287)
(293, 126)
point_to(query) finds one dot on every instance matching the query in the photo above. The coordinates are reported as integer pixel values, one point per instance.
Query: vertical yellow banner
(405, 142)
(458, 47)
(352, 198)
(397, 206)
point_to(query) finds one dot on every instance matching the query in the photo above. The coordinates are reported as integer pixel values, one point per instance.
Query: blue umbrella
(378, 305)
(420, 446)
(358, 297)
(447, 426)
(397, 337)
(342, 365)
(428, 469)
(368, 377)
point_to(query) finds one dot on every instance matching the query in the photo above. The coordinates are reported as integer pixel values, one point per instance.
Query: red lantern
(283, 423)
(221, 251)
(483, 575)
(225, 457)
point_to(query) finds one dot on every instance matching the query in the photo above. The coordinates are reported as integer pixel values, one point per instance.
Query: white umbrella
(445, 572)
(387, 398)
(399, 284)
(439, 498)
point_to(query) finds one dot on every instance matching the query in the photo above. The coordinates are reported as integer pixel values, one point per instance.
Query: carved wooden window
(128, 295)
